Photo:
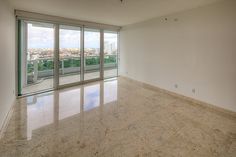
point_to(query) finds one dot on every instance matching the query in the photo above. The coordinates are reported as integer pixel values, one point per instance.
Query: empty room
(118, 78)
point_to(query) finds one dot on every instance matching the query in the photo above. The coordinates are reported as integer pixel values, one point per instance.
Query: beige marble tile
(116, 118)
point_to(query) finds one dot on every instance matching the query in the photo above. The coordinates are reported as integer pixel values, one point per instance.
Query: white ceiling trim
(61, 20)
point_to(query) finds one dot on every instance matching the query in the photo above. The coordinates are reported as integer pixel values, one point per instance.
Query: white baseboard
(199, 102)
(7, 120)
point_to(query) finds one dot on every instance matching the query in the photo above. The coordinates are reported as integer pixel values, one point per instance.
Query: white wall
(198, 50)
(7, 59)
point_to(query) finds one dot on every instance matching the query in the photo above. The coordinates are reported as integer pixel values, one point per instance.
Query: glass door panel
(69, 54)
(37, 57)
(110, 54)
(37, 49)
(91, 54)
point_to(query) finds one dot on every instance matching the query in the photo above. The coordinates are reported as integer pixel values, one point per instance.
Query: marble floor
(116, 118)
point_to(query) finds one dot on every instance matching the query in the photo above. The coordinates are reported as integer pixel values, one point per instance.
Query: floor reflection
(110, 91)
(91, 97)
(45, 109)
(69, 103)
(39, 112)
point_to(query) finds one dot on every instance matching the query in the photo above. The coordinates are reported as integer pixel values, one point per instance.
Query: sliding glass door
(37, 56)
(110, 54)
(69, 55)
(91, 54)
(51, 56)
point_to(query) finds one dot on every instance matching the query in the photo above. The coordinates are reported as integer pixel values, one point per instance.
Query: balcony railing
(43, 67)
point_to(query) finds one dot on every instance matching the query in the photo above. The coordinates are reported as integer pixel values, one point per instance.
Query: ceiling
(108, 11)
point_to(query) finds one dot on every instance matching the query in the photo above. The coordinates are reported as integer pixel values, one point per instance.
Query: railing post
(35, 70)
(62, 66)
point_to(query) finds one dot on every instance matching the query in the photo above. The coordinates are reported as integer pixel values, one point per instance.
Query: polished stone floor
(116, 118)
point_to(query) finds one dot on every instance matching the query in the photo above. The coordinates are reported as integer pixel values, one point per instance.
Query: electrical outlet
(176, 85)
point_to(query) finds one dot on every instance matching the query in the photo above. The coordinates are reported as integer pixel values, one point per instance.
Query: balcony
(40, 72)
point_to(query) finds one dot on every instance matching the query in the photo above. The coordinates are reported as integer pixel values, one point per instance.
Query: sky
(43, 37)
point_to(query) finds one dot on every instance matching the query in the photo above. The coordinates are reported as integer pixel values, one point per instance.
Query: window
(53, 55)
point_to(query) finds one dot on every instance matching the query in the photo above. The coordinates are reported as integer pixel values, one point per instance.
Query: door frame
(56, 24)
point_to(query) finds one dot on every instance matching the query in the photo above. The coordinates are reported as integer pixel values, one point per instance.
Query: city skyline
(43, 37)
(37, 53)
